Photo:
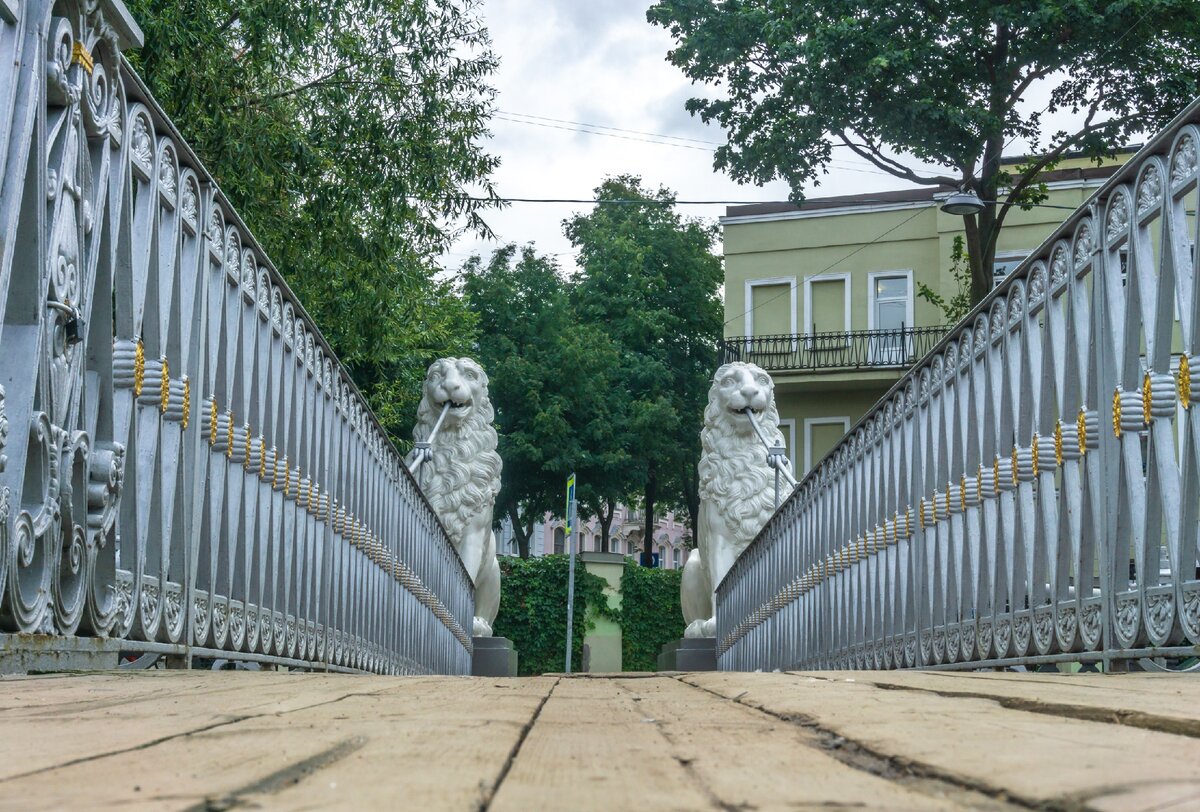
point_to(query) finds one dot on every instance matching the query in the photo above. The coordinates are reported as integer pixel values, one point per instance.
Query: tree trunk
(648, 519)
(521, 532)
(691, 500)
(982, 229)
(605, 519)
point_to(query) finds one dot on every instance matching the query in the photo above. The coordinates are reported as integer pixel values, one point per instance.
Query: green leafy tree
(943, 81)
(346, 133)
(551, 385)
(650, 281)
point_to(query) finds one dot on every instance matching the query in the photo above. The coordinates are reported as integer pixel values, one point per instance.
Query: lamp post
(963, 203)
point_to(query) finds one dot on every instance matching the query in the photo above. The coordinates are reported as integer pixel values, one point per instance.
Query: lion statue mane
(461, 475)
(737, 486)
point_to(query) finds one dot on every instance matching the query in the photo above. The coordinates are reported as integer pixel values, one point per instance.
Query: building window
(821, 434)
(827, 304)
(662, 556)
(890, 312)
(615, 544)
(787, 427)
(1004, 265)
(675, 558)
(560, 539)
(770, 306)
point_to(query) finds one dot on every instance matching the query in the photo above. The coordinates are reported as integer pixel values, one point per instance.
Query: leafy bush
(533, 601)
(650, 614)
(533, 604)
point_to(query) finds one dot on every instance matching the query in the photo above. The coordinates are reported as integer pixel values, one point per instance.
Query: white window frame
(787, 425)
(825, 277)
(1007, 256)
(889, 355)
(909, 317)
(751, 284)
(809, 422)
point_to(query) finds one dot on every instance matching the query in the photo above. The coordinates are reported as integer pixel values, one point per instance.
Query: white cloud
(600, 62)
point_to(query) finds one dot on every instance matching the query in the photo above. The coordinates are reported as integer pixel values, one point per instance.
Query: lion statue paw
(737, 486)
(460, 472)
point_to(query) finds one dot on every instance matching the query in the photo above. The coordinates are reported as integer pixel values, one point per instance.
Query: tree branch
(1052, 156)
(870, 152)
(1024, 84)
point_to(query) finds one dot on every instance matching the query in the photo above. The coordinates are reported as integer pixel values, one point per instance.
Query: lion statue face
(734, 476)
(463, 384)
(736, 387)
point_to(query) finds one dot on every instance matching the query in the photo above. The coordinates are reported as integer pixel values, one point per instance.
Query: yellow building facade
(825, 296)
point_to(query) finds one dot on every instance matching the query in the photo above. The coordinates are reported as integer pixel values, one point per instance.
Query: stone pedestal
(667, 656)
(493, 657)
(689, 654)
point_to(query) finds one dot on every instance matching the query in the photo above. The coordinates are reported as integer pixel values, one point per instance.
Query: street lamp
(962, 203)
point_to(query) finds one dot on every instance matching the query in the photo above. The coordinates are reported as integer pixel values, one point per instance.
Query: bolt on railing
(1029, 492)
(185, 468)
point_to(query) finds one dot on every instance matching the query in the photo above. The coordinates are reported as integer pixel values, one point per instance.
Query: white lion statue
(737, 486)
(460, 472)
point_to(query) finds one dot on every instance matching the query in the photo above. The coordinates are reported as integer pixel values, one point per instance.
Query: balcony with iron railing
(863, 349)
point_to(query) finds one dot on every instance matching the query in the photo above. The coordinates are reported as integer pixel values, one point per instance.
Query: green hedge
(533, 603)
(650, 614)
(533, 610)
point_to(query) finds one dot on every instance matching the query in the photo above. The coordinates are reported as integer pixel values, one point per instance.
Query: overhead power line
(653, 202)
(663, 143)
(654, 138)
(607, 127)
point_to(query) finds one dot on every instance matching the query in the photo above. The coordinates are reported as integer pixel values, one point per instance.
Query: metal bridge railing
(184, 466)
(861, 349)
(1029, 492)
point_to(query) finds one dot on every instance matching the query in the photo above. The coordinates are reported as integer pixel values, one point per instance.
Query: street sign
(570, 499)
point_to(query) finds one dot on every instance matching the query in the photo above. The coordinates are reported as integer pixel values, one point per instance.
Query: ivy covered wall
(533, 602)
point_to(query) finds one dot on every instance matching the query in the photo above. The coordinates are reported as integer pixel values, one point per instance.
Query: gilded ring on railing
(139, 368)
(1185, 381)
(187, 401)
(164, 386)
(1034, 454)
(1146, 399)
(1081, 427)
(1058, 443)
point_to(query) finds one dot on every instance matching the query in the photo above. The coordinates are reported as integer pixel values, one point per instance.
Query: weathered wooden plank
(1165, 702)
(658, 744)
(1034, 757)
(440, 742)
(49, 723)
(592, 747)
(724, 744)
(441, 745)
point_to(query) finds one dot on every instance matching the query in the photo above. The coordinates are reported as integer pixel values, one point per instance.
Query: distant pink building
(671, 537)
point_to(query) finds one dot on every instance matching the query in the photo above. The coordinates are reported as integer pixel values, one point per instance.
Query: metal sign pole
(571, 522)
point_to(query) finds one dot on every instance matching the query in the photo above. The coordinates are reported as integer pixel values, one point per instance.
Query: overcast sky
(599, 62)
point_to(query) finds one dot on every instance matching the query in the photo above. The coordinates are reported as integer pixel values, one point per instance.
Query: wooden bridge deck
(203, 740)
